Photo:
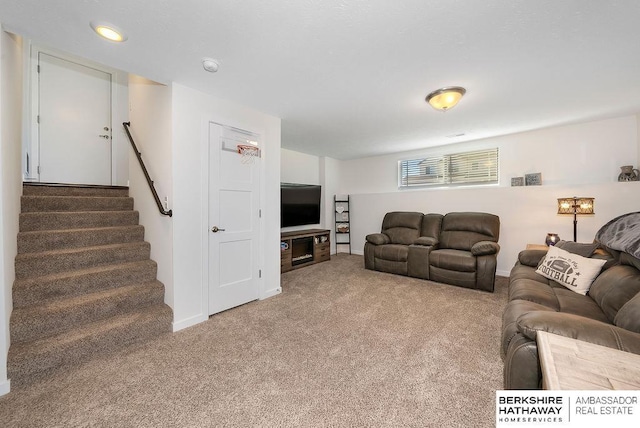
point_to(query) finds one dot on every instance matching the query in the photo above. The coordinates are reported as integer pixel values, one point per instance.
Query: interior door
(234, 220)
(74, 122)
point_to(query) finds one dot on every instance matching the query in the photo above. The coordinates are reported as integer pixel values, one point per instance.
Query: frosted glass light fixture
(445, 98)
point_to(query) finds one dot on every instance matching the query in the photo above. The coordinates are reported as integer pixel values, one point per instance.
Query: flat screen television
(299, 204)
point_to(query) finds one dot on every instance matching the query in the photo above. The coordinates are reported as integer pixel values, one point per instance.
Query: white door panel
(74, 131)
(234, 209)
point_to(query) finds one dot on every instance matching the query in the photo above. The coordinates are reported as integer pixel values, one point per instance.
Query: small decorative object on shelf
(517, 181)
(629, 173)
(552, 239)
(534, 179)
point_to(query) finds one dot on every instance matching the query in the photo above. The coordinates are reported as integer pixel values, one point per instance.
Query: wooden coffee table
(576, 365)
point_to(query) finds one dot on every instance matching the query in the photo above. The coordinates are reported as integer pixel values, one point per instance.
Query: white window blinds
(479, 167)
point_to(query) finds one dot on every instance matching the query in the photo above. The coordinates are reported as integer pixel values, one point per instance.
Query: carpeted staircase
(84, 281)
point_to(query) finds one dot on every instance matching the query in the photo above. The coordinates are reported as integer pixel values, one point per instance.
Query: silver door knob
(106, 137)
(215, 229)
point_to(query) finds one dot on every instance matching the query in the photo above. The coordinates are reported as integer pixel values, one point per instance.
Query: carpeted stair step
(38, 189)
(48, 262)
(38, 290)
(76, 220)
(57, 316)
(48, 240)
(27, 360)
(75, 203)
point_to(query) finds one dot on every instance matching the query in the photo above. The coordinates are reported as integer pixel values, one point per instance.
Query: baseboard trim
(503, 273)
(189, 322)
(5, 387)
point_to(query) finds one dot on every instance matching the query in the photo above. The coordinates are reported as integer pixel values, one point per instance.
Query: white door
(234, 220)
(74, 114)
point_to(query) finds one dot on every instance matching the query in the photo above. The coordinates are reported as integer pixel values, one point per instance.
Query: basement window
(468, 168)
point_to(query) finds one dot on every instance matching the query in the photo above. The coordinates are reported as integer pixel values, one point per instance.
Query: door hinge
(38, 68)
(38, 169)
(38, 118)
(259, 213)
(259, 273)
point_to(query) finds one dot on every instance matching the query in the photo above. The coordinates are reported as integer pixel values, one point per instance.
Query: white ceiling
(348, 78)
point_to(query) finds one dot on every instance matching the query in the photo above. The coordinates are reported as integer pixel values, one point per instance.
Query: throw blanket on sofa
(622, 234)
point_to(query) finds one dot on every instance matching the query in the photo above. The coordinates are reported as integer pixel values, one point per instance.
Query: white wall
(299, 167)
(576, 160)
(191, 112)
(11, 182)
(151, 128)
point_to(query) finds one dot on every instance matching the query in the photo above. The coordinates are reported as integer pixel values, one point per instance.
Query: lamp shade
(576, 205)
(445, 98)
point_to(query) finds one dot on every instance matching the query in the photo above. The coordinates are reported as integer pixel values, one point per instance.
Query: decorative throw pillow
(571, 270)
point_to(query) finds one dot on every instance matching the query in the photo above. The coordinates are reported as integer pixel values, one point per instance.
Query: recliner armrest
(531, 257)
(378, 239)
(426, 241)
(580, 328)
(485, 248)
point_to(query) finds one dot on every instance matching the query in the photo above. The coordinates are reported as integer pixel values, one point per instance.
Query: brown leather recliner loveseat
(457, 248)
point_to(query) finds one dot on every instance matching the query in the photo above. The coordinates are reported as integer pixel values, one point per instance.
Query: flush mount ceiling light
(108, 31)
(209, 64)
(445, 98)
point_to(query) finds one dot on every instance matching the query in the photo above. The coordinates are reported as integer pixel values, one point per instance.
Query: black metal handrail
(146, 173)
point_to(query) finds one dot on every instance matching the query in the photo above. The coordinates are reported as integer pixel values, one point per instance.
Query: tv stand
(302, 248)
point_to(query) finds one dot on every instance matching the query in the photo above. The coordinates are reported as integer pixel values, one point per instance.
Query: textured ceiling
(348, 78)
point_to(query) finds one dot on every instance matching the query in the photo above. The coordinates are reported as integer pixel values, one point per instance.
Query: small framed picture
(534, 179)
(517, 181)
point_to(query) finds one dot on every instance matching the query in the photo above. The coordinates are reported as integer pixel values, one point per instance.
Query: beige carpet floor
(340, 347)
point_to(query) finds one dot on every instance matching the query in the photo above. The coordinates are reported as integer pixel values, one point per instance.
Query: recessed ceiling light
(209, 64)
(108, 31)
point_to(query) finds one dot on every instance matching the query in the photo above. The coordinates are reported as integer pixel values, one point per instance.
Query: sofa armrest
(426, 241)
(531, 257)
(485, 248)
(580, 328)
(378, 239)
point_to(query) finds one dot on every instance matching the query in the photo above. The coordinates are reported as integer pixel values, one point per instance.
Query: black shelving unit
(342, 218)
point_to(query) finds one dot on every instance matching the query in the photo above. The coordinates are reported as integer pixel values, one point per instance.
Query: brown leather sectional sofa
(457, 248)
(608, 315)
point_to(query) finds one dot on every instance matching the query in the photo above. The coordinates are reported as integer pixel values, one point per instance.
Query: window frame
(451, 169)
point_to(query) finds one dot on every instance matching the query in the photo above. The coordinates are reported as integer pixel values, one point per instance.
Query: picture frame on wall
(534, 179)
(517, 181)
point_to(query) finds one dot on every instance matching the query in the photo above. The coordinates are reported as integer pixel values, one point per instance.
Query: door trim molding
(119, 113)
(204, 197)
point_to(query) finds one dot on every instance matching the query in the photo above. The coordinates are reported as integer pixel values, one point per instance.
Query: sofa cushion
(579, 248)
(571, 270)
(402, 227)
(555, 297)
(392, 252)
(461, 230)
(431, 225)
(457, 260)
(614, 288)
(521, 271)
(628, 317)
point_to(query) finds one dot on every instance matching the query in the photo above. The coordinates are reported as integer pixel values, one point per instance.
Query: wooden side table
(537, 247)
(576, 365)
